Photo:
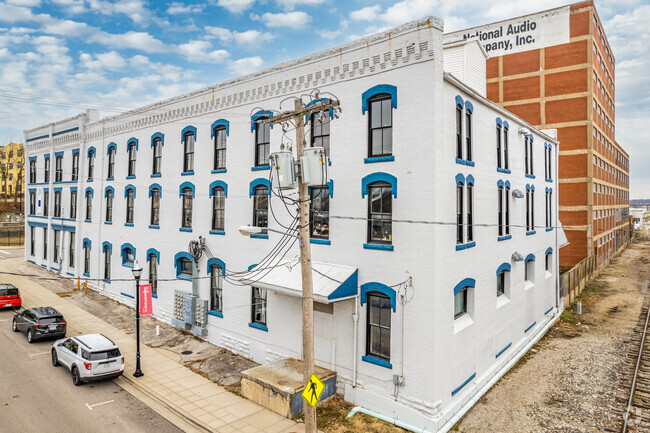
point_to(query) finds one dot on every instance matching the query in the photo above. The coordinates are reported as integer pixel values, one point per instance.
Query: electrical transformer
(284, 170)
(313, 166)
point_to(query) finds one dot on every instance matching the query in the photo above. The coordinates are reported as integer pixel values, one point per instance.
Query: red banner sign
(146, 306)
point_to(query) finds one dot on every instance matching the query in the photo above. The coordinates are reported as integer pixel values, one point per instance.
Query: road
(11, 252)
(35, 396)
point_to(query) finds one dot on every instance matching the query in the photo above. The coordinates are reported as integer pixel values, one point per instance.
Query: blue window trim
(216, 261)
(499, 121)
(320, 100)
(183, 186)
(91, 149)
(127, 188)
(128, 225)
(504, 238)
(127, 295)
(158, 135)
(257, 182)
(548, 190)
(109, 245)
(251, 266)
(467, 282)
(260, 167)
(187, 173)
(459, 101)
(92, 192)
(530, 176)
(131, 177)
(37, 224)
(504, 170)
(500, 183)
(503, 267)
(381, 247)
(33, 158)
(156, 175)
(125, 246)
(154, 226)
(378, 177)
(185, 229)
(110, 146)
(529, 257)
(33, 190)
(320, 241)
(258, 115)
(381, 288)
(216, 184)
(506, 125)
(530, 137)
(469, 179)
(155, 252)
(379, 89)
(88, 242)
(177, 261)
(469, 107)
(130, 142)
(549, 250)
(548, 311)
(258, 236)
(155, 186)
(500, 352)
(57, 154)
(548, 229)
(108, 222)
(465, 246)
(217, 232)
(86, 274)
(109, 188)
(530, 233)
(46, 156)
(548, 180)
(530, 187)
(460, 178)
(469, 379)
(215, 313)
(258, 326)
(465, 162)
(217, 123)
(379, 159)
(188, 128)
(377, 361)
(58, 190)
(530, 326)
(220, 170)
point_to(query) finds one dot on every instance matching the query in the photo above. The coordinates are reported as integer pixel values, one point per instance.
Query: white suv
(89, 357)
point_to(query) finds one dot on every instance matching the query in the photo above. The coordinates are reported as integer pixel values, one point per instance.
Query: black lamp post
(137, 273)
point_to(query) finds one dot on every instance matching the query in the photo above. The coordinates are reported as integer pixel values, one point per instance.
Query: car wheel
(55, 359)
(14, 326)
(76, 378)
(30, 336)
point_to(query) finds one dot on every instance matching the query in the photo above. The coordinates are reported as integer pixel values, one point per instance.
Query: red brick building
(556, 70)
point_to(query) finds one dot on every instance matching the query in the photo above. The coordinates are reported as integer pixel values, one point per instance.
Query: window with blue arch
(379, 101)
(128, 255)
(380, 188)
(183, 262)
(380, 300)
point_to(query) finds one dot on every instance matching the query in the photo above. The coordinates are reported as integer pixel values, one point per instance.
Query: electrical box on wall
(313, 166)
(284, 170)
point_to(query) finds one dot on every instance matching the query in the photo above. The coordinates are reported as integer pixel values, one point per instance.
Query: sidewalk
(188, 400)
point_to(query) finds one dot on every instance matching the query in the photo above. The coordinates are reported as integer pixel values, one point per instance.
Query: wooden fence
(572, 282)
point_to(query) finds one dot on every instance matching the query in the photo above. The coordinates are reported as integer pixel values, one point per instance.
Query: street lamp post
(137, 273)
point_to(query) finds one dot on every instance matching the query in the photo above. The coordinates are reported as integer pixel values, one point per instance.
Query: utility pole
(297, 117)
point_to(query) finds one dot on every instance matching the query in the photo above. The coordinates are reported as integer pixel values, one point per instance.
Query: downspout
(389, 420)
(558, 298)
(355, 320)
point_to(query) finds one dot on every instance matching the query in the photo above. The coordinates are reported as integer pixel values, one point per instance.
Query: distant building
(434, 241)
(555, 69)
(12, 172)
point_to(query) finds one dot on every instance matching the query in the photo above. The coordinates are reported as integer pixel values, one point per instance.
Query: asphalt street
(36, 396)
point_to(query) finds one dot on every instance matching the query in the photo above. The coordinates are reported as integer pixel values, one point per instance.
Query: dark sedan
(40, 322)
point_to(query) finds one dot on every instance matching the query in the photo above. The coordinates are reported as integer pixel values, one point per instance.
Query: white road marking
(4, 320)
(39, 353)
(90, 406)
(5, 252)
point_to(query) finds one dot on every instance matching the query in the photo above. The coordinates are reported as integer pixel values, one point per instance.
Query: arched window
(183, 263)
(319, 210)
(380, 126)
(461, 297)
(187, 195)
(153, 256)
(378, 325)
(262, 142)
(154, 193)
(460, 236)
(87, 245)
(128, 257)
(73, 202)
(320, 130)
(261, 207)
(219, 147)
(216, 288)
(380, 213)
(157, 155)
(132, 147)
(107, 261)
(129, 193)
(503, 278)
(111, 160)
(188, 151)
(89, 205)
(218, 208)
(258, 308)
(185, 266)
(500, 208)
(91, 163)
(109, 204)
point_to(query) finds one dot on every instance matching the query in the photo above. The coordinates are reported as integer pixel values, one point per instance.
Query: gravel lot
(571, 380)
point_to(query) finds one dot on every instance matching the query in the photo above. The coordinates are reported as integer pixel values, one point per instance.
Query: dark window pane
(386, 114)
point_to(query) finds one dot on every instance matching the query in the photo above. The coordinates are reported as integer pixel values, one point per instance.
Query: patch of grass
(569, 315)
(65, 294)
(331, 418)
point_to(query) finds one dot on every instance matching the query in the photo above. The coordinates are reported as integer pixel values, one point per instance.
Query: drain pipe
(393, 421)
(495, 378)
(355, 319)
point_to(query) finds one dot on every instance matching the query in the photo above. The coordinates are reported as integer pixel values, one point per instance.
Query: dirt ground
(571, 380)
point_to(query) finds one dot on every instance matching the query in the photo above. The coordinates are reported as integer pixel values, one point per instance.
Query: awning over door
(332, 282)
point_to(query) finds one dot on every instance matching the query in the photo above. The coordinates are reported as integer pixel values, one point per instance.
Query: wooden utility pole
(297, 117)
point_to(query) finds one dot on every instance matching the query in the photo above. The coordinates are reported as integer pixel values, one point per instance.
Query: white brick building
(481, 290)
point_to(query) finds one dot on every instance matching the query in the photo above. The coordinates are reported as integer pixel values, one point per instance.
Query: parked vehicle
(89, 357)
(40, 322)
(10, 296)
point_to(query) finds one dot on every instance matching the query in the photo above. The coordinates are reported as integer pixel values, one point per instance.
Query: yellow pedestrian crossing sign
(313, 390)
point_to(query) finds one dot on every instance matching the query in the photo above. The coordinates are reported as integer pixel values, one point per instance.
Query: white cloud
(235, 6)
(294, 20)
(242, 38)
(135, 10)
(201, 52)
(104, 61)
(333, 34)
(28, 3)
(135, 40)
(408, 10)
(246, 65)
(368, 13)
(181, 8)
(291, 4)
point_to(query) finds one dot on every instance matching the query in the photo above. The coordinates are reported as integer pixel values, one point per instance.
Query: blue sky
(58, 57)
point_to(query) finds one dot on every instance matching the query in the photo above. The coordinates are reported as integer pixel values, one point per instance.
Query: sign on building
(525, 33)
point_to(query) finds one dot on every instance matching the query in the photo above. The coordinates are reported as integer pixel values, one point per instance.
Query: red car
(9, 296)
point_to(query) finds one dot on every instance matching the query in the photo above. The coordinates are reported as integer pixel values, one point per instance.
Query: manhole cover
(186, 352)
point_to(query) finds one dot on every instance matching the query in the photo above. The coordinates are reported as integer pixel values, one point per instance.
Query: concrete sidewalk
(190, 401)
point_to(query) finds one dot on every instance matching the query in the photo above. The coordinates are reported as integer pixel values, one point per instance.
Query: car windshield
(8, 292)
(48, 320)
(105, 354)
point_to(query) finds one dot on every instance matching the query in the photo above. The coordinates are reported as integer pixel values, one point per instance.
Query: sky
(59, 57)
